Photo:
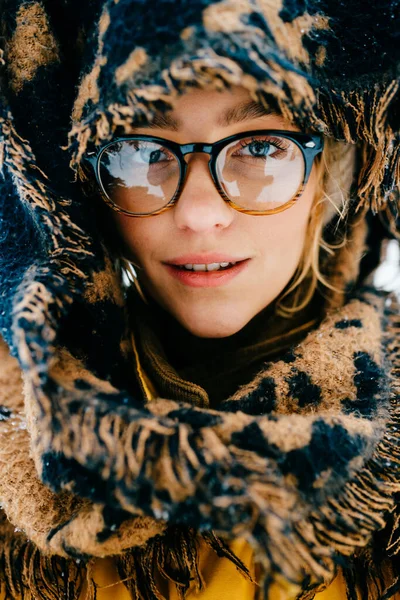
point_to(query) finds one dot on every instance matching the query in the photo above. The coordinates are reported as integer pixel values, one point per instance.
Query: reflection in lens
(139, 176)
(261, 172)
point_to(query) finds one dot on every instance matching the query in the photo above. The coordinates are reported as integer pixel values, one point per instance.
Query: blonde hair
(335, 174)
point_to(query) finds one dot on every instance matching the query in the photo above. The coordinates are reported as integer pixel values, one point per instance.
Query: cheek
(295, 228)
(135, 235)
(283, 240)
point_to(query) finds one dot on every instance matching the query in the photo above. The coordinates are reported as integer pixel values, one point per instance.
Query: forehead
(222, 109)
(242, 111)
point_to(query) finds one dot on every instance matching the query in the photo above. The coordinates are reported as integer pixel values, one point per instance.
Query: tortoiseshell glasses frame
(310, 145)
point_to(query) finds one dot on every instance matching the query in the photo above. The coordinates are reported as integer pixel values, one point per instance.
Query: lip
(206, 279)
(203, 259)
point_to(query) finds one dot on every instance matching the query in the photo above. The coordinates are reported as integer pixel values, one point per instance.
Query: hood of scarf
(303, 461)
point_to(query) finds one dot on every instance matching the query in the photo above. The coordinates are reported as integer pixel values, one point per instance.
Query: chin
(210, 328)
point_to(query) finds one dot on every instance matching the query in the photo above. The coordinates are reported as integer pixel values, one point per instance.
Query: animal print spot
(5, 413)
(303, 390)
(252, 438)
(289, 357)
(368, 375)
(345, 324)
(368, 382)
(331, 447)
(260, 402)
(113, 517)
(194, 417)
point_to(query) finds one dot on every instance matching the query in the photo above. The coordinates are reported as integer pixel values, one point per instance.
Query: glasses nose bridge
(196, 147)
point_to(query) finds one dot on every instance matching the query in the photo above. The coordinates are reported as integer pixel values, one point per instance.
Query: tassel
(374, 571)
(172, 557)
(361, 116)
(223, 550)
(90, 585)
(27, 574)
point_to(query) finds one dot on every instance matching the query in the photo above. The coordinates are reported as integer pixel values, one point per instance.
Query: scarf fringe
(349, 116)
(223, 550)
(174, 557)
(27, 574)
(368, 579)
(373, 572)
(32, 186)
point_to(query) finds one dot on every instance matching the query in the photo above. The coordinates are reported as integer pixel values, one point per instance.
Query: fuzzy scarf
(304, 462)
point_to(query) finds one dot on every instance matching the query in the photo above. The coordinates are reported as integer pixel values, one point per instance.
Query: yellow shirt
(222, 580)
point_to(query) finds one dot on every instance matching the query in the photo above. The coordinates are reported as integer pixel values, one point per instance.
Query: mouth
(207, 267)
(206, 274)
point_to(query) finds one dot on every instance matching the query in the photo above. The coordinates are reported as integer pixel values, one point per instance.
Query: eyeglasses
(260, 172)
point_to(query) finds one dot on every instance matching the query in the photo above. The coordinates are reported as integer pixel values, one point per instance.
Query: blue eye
(257, 148)
(262, 148)
(151, 156)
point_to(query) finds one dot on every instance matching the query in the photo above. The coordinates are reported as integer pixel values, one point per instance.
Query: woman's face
(202, 229)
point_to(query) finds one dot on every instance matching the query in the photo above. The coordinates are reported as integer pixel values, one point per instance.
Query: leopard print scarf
(303, 462)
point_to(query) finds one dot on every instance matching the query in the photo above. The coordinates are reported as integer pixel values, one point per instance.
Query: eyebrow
(242, 112)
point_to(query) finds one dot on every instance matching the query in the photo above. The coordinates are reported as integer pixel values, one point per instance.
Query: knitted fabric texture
(303, 462)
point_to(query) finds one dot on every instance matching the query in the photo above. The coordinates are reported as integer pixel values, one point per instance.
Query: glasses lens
(261, 172)
(139, 176)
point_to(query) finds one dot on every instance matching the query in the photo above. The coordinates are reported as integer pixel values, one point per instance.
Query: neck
(183, 348)
(221, 365)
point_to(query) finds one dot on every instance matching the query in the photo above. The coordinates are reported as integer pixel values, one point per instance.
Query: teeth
(216, 266)
(208, 267)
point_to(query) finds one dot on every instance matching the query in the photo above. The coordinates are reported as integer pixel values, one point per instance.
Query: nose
(200, 207)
